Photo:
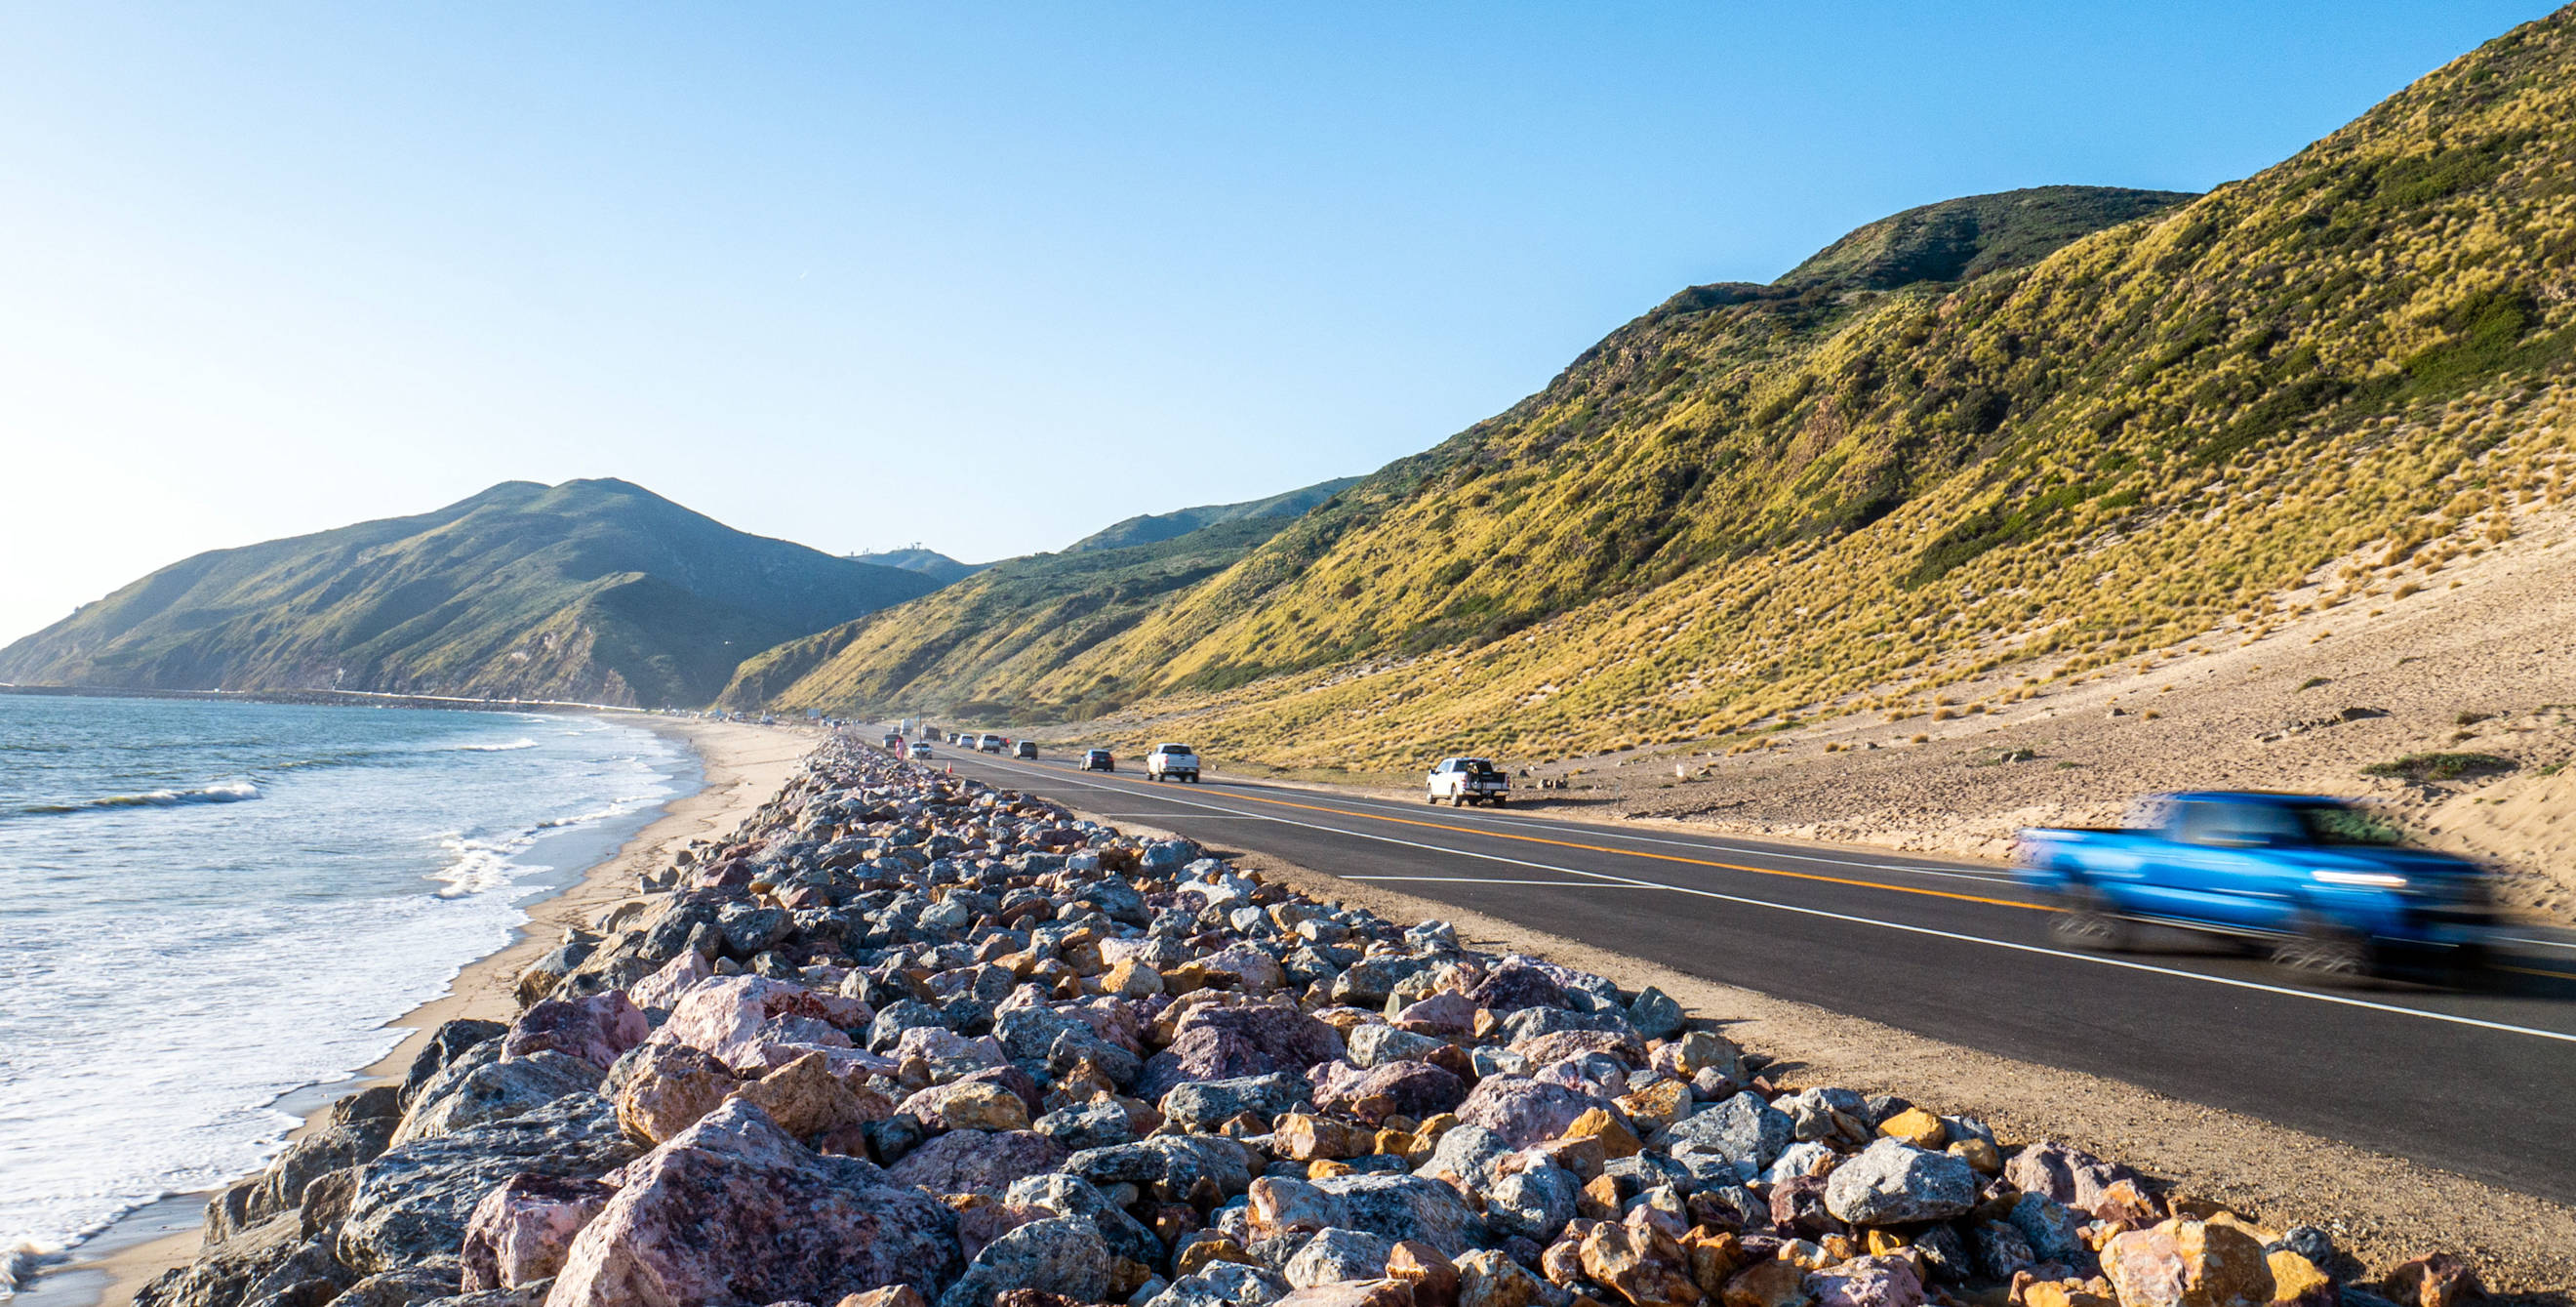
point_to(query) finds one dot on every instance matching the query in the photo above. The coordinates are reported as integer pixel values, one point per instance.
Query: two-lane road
(2482, 1084)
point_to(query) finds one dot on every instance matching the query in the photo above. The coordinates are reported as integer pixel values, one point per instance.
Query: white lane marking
(1492, 880)
(2544, 943)
(1247, 816)
(2124, 964)
(1704, 845)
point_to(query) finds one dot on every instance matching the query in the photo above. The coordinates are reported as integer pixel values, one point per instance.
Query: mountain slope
(1155, 527)
(1757, 502)
(968, 647)
(929, 562)
(591, 590)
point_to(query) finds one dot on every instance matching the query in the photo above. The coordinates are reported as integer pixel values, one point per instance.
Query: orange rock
(803, 1097)
(1917, 1127)
(1301, 1137)
(893, 1295)
(2438, 1280)
(1434, 1277)
(1772, 1283)
(1715, 1256)
(1641, 1262)
(1617, 1140)
(2188, 1263)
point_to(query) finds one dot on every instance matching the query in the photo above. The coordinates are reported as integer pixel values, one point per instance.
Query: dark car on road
(1025, 749)
(1098, 760)
(2327, 888)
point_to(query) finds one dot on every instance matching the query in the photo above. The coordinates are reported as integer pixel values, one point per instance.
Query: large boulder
(1892, 1182)
(1202, 1105)
(597, 1030)
(450, 1041)
(665, 1088)
(1745, 1130)
(2186, 1263)
(733, 1210)
(520, 1232)
(2069, 1175)
(480, 1086)
(1221, 1043)
(414, 1201)
(1515, 985)
(1171, 1166)
(977, 1161)
(1061, 1255)
(1400, 1207)
(1414, 1089)
(1525, 1111)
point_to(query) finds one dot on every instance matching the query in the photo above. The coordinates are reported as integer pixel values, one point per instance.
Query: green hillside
(597, 591)
(929, 562)
(970, 646)
(1156, 527)
(1851, 487)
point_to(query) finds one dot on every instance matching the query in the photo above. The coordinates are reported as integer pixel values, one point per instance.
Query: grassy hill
(1157, 527)
(2047, 430)
(929, 562)
(971, 647)
(591, 590)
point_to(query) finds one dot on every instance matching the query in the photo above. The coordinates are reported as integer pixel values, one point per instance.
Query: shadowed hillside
(591, 590)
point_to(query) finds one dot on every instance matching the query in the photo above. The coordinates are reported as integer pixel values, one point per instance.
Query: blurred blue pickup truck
(2330, 890)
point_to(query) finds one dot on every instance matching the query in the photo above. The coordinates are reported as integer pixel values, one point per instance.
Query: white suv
(1172, 762)
(1468, 780)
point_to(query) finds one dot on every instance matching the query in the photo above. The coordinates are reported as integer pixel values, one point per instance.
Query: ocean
(207, 907)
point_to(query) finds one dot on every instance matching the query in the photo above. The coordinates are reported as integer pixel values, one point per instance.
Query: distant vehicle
(990, 743)
(1172, 762)
(1098, 760)
(1025, 749)
(894, 739)
(956, 737)
(2330, 890)
(920, 749)
(928, 731)
(1468, 780)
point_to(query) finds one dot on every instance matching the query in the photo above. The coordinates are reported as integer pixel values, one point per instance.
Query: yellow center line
(1659, 857)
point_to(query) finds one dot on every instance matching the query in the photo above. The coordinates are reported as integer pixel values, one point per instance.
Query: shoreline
(741, 765)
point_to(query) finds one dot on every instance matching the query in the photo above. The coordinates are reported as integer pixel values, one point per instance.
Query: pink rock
(733, 1210)
(663, 988)
(756, 1025)
(1868, 1282)
(597, 1029)
(520, 1231)
(977, 1161)
(1414, 1089)
(1525, 1111)
(1445, 1013)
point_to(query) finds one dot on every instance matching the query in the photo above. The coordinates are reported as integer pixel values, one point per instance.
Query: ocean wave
(228, 792)
(522, 742)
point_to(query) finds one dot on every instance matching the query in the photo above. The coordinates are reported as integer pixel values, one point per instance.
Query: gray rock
(1470, 1152)
(224, 1274)
(1171, 1165)
(1892, 1182)
(1091, 1125)
(1376, 1045)
(1744, 1130)
(1204, 1104)
(1524, 1110)
(446, 1044)
(1224, 1284)
(2000, 1250)
(1061, 1255)
(2053, 1232)
(977, 1161)
(1332, 1256)
(1065, 1195)
(1533, 1204)
(477, 1088)
(1655, 1015)
(1400, 1207)
(413, 1202)
(406, 1287)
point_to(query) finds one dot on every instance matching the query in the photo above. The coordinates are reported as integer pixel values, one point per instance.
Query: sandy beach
(743, 766)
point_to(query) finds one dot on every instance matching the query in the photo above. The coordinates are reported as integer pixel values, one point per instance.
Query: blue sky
(982, 276)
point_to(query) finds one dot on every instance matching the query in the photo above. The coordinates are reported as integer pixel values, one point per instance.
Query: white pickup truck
(1172, 762)
(1469, 780)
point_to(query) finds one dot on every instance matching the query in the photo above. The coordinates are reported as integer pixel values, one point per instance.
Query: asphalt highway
(2479, 1083)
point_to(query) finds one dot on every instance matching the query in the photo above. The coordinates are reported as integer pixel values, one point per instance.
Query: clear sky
(985, 276)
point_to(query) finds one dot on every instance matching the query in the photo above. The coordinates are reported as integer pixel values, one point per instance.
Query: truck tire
(2083, 921)
(1432, 799)
(2323, 953)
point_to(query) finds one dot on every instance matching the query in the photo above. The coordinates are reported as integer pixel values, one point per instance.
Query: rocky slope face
(1850, 490)
(595, 591)
(906, 1040)
(974, 647)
